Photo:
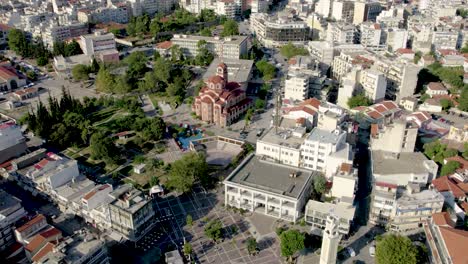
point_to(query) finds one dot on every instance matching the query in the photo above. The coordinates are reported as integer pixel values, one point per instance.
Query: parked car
(260, 132)
(372, 251)
(351, 252)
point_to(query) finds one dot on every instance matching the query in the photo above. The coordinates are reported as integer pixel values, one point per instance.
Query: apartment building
(345, 182)
(12, 141)
(269, 188)
(296, 86)
(341, 33)
(330, 116)
(283, 146)
(369, 35)
(60, 33)
(445, 40)
(374, 84)
(27, 231)
(228, 8)
(316, 214)
(343, 10)
(395, 137)
(365, 11)
(446, 244)
(151, 7)
(396, 38)
(11, 211)
(324, 151)
(97, 42)
(115, 13)
(275, 31)
(351, 60)
(260, 6)
(232, 47)
(131, 212)
(403, 209)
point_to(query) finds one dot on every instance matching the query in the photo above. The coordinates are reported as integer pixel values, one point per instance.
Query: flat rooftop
(407, 163)
(284, 138)
(236, 40)
(341, 209)
(238, 70)
(271, 177)
(9, 203)
(423, 196)
(324, 136)
(128, 198)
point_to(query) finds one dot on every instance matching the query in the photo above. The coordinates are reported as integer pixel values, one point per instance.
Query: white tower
(331, 239)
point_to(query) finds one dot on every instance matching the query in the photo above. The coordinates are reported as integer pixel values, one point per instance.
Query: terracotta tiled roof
(405, 51)
(375, 114)
(456, 242)
(436, 86)
(164, 45)
(442, 219)
(43, 251)
(36, 219)
(7, 74)
(52, 232)
(4, 27)
(312, 102)
(93, 192)
(304, 109)
(36, 242)
(385, 184)
(445, 184)
(380, 108)
(216, 79)
(390, 105)
(26, 91)
(346, 167)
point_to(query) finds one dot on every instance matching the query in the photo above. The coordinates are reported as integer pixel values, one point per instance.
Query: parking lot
(203, 207)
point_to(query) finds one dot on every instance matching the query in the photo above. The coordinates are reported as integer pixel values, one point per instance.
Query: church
(221, 102)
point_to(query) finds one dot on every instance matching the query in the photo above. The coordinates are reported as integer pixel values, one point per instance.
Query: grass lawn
(155, 98)
(102, 114)
(144, 178)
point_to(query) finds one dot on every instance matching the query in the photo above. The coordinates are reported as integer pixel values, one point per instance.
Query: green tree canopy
(102, 147)
(396, 249)
(445, 103)
(104, 80)
(463, 100)
(252, 246)
(206, 32)
(80, 72)
(267, 70)
(259, 104)
(136, 64)
(292, 241)
(230, 28)
(186, 171)
(17, 41)
(359, 100)
(290, 50)
(449, 168)
(320, 184)
(214, 230)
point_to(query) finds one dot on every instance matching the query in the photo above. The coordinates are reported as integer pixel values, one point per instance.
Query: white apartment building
(402, 210)
(373, 84)
(151, 7)
(369, 35)
(343, 10)
(282, 147)
(228, 8)
(260, 6)
(272, 189)
(60, 33)
(396, 38)
(131, 212)
(324, 7)
(11, 211)
(324, 151)
(278, 30)
(351, 60)
(12, 141)
(340, 33)
(97, 42)
(316, 214)
(114, 13)
(296, 86)
(195, 6)
(344, 182)
(95, 206)
(445, 40)
(230, 47)
(323, 52)
(396, 137)
(348, 86)
(330, 116)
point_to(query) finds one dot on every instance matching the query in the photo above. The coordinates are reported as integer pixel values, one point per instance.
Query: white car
(351, 252)
(372, 251)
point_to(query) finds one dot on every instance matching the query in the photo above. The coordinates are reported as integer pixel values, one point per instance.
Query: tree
(207, 15)
(102, 147)
(80, 72)
(204, 56)
(176, 54)
(206, 32)
(17, 41)
(104, 80)
(417, 57)
(396, 249)
(230, 28)
(449, 168)
(463, 100)
(188, 249)
(463, 13)
(72, 48)
(424, 97)
(186, 171)
(252, 246)
(450, 153)
(214, 230)
(320, 184)
(136, 65)
(445, 103)
(259, 104)
(359, 100)
(42, 61)
(248, 116)
(290, 50)
(189, 220)
(292, 241)
(266, 69)
(122, 84)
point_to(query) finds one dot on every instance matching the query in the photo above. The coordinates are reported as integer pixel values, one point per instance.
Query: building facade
(232, 47)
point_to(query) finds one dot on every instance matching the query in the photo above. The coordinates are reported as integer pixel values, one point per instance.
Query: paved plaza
(206, 206)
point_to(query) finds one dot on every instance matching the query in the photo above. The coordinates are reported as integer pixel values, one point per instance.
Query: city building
(25, 94)
(229, 8)
(282, 146)
(95, 206)
(366, 11)
(151, 7)
(100, 45)
(395, 137)
(42, 244)
(221, 102)
(305, 114)
(10, 80)
(400, 169)
(330, 242)
(340, 33)
(240, 71)
(119, 13)
(396, 38)
(436, 88)
(275, 31)
(60, 33)
(4, 29)
(343, 10)
(27, 231)
(409, 103)
(369, 35)
(316, 214)
(445, 40)
(269, 188)
(344, 184)
(232, 47)
(446, 244)
(131, 212)
(12, 141)
(403, 209)
(11, 211)
(374, 84)
(330, 116)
